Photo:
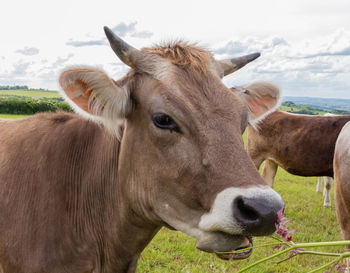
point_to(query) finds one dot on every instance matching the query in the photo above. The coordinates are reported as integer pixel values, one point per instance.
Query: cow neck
(132, 232)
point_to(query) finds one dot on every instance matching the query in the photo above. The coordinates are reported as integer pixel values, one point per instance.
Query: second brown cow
(301, 144)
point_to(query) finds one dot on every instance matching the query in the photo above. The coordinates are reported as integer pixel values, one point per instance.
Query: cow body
(81, 195)
(61, 208)
(301, 144)
(342, 183)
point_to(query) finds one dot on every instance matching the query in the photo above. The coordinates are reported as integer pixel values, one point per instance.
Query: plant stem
(325, 265)
(288, 258)
(312, 253)
(305, 245)
(319, 253)
(278, 239)
(321, 244)
(269, 244)
(247, 248)
(265, 259)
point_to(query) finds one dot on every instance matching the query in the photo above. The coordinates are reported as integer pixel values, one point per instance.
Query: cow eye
(164, 121)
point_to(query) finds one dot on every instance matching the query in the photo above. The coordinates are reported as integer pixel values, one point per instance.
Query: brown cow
(76, 198)
(342, 183)
(301, 144)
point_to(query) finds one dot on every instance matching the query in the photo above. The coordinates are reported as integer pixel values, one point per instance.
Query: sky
(304, 45)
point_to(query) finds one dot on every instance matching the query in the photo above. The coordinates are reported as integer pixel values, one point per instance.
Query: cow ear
(261, 98)
(92, 93)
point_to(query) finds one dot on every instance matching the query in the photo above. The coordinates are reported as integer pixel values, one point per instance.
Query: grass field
(30, 94)
(11, 116)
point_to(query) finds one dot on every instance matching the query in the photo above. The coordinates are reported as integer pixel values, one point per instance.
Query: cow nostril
(257, 216)
(246, 212)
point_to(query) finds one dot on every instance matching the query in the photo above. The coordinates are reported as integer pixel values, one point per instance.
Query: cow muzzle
(235, 216)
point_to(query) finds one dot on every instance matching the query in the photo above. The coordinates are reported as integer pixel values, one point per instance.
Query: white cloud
(305, 68)
(16, 75)
(86, 43)
(61, 60)
(28, 51)
(142, 34)
(20, 69)
(122, 29)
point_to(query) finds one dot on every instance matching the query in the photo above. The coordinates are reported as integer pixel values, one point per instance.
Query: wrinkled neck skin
(134, 230)
(132, 237)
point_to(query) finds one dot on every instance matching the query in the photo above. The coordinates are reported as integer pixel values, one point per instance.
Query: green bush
(304, 111)
(31, 106)
(289, 104)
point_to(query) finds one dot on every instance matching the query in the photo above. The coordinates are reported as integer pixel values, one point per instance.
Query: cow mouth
(242, 252)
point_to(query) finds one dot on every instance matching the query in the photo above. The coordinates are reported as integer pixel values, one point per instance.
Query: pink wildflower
(281, 227)
(339, 267)
(278, 246)
(282, 230)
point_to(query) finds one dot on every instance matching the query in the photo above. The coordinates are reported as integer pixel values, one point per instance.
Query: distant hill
(323, 103)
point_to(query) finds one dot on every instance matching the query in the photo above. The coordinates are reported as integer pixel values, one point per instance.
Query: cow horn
(231, 65)
(126, 53)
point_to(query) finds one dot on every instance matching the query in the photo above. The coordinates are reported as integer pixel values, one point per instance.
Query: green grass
(30, 93)
(172, 251)
(11, 116)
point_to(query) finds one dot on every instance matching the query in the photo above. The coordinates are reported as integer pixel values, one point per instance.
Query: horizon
(53, 90)
(331, 98)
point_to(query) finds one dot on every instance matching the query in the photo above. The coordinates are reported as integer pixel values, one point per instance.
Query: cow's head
(182, 162)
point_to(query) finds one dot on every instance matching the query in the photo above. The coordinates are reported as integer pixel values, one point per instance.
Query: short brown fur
(184, 55)
(301, 144)
(342, 182)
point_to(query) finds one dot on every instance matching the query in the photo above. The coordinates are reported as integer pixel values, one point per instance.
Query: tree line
(18, 87)
(28, 106)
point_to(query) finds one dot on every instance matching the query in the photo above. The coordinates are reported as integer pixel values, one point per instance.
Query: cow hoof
(327, 205)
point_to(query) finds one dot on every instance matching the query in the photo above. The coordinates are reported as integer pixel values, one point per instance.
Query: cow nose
(257, 216)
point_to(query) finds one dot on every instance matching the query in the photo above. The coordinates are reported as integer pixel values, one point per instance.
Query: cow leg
(327, 191)
(342, 205)
(269, 172)
(319, 184)
(257, 161)
(133, 264)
